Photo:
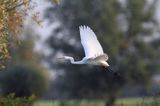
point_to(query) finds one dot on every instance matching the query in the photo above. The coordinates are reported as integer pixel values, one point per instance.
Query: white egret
(94, 54)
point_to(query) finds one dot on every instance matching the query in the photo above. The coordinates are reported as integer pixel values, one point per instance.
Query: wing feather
(91, 45)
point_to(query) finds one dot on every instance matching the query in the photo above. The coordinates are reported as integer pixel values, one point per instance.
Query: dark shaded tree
(23, 80)
(24, 74)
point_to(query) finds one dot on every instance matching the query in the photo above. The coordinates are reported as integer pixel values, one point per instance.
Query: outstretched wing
(90, 43)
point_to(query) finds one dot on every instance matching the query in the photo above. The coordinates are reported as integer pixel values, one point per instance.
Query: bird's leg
(104, 68)
(107, 69)
(114, 72)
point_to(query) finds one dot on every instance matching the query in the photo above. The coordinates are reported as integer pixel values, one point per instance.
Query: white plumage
(90, 43)
(93, 51)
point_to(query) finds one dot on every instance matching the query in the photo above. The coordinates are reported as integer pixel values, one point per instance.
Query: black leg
(109, 69)
(114, 72)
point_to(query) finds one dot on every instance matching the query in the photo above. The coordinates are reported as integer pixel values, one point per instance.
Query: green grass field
(119, 102)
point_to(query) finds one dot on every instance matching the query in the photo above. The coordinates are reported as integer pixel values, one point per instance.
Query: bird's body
(99, 60)
(94, 54)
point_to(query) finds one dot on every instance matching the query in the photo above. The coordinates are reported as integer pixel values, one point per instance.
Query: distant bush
(24, 80)
(10, 100)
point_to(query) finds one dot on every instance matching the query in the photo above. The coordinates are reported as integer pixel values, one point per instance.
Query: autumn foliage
(12, 13)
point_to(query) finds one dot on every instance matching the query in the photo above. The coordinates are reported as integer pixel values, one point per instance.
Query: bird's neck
(77, 62)
(71, 59)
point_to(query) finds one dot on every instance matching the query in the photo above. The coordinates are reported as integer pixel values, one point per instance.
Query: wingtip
(84, 27)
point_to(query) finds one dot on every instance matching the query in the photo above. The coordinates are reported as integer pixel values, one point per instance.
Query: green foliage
(24, 80)
(11, 100)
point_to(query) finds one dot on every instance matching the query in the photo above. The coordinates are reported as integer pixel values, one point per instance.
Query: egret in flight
(94, 54)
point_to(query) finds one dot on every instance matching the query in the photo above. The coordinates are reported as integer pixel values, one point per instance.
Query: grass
(69, 103)
(138, 102)
(119, 102)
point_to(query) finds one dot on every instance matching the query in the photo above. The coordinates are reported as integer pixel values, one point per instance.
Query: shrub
(24, 80)
(10, 100)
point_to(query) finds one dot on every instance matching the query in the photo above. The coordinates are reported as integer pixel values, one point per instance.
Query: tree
(11, 20)
(129, 54)
(24, 73)
(23, 80)
(12, 15)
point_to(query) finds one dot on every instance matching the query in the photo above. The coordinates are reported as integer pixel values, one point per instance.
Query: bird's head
(104, 63)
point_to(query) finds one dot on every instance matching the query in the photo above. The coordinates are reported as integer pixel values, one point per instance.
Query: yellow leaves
(18, 21)
(56, 1)
(3, 53)
(11, 20)
(13, 5)
(3, 35)
(35, 18)
(3, 49)
(26, 1)
(14, 23)
(1, 26)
